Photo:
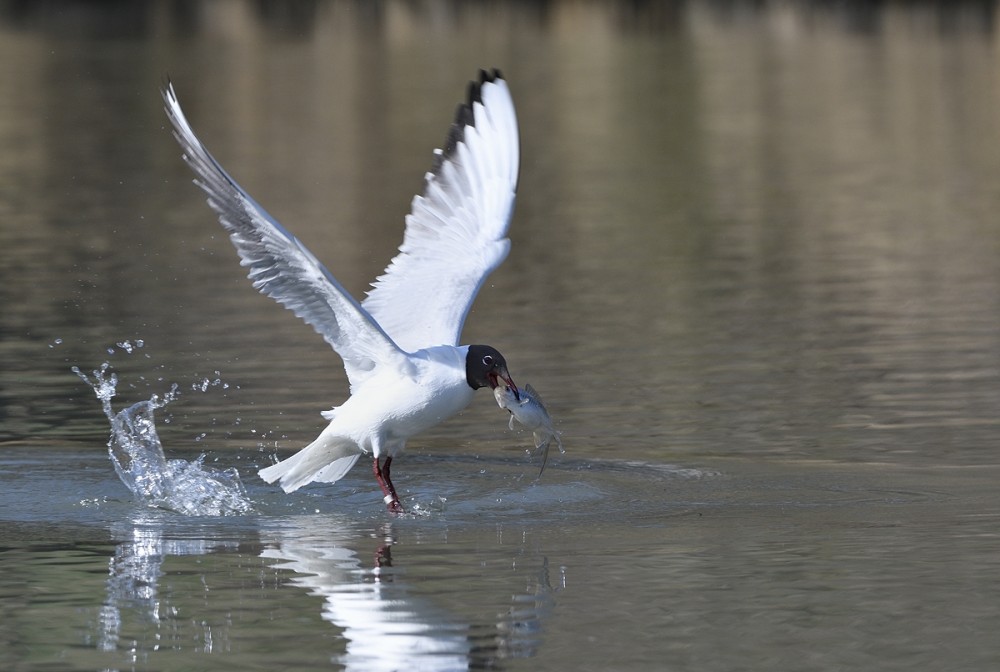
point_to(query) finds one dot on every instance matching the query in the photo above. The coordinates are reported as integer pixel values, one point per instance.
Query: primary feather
(280, 266)
(456, 232)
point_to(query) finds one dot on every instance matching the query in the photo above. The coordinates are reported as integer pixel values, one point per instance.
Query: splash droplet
(138, 458)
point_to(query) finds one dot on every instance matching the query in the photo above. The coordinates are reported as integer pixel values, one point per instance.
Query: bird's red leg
(398, 508)
(388, 491)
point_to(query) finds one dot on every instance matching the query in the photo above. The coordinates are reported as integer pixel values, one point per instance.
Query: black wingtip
(490, 75)
(476, 88)
(464, 115)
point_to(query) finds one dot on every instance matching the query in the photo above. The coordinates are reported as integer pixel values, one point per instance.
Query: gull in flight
(400, 346)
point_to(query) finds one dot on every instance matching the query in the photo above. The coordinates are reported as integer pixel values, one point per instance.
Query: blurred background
(757, 226)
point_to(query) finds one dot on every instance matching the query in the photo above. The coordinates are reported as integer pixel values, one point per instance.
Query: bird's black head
(486, 366)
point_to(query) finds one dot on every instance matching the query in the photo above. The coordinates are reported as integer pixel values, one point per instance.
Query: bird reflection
(390, 615)
(386, 625)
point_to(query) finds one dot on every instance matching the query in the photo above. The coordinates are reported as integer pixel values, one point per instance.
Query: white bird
(400, 346)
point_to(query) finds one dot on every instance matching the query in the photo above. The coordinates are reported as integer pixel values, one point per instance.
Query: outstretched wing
(456, 232)
(280, 266)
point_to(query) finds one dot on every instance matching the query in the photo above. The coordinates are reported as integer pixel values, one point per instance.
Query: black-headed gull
(400, 348)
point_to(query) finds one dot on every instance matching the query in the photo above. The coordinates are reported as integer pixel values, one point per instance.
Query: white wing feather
(280, 266)
(456, 231)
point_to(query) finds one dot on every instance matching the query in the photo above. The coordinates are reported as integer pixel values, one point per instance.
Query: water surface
(755, 274)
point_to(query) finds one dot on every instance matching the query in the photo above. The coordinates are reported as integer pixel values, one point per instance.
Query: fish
(527, 408)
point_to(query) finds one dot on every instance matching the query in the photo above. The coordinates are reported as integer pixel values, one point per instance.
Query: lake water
(755, 274)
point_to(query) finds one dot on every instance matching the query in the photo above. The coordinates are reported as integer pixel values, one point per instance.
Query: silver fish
(530, 412)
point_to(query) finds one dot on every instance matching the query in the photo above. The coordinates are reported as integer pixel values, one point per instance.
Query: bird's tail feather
(326, 459)
(337, 469)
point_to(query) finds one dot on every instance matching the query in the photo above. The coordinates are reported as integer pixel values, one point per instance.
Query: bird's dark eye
(488, 360)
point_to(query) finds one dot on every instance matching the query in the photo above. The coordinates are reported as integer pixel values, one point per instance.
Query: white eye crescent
(488, 360)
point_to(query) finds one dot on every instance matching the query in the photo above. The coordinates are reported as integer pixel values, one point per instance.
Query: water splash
(185, 487)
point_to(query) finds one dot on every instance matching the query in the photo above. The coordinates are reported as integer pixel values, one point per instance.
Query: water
(754, 272)
(135, 450)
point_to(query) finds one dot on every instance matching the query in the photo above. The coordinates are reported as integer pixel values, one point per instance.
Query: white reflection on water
(133, 577)
(382, 609)
(385, 622)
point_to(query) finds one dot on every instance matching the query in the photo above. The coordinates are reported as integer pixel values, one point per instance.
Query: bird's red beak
(495, 378)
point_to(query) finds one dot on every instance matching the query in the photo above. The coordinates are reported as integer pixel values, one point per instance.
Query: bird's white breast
(395, 407)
